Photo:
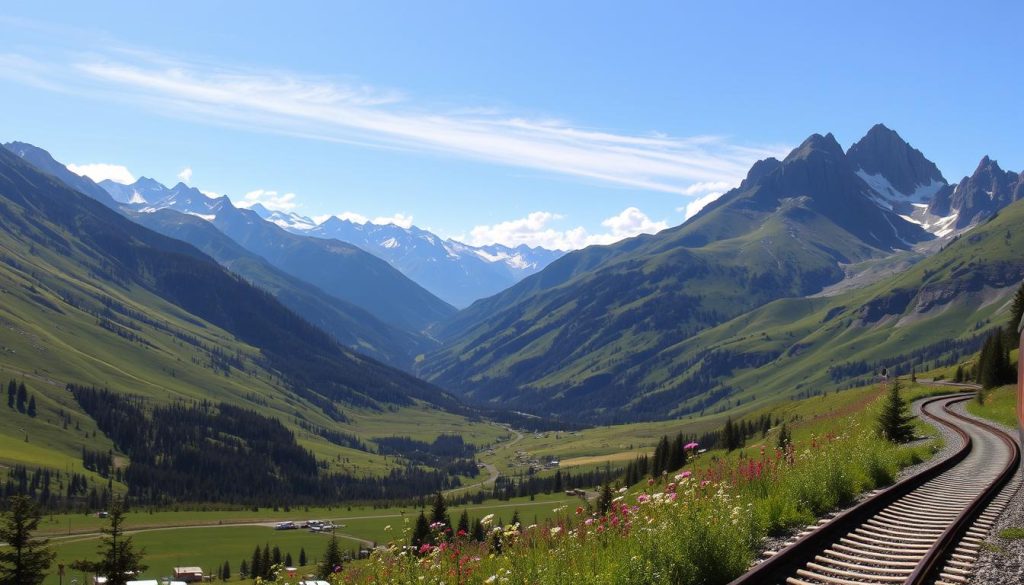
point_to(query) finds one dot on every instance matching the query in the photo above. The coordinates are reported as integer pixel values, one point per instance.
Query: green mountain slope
(931, 314)
(337, 268)
(581, 337)
(349, 324)
(89, 297)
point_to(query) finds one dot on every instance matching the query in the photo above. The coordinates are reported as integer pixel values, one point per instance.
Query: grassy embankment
(834, 457)
(705, 527)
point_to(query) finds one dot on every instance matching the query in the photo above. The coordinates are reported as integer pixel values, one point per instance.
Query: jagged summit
(826, 145)
(899, 174)
(979, 196)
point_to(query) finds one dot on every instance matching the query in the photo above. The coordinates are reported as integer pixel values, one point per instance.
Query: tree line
(19, 399)
(257, 460)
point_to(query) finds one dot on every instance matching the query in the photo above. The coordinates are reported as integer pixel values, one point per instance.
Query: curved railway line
(925, 529)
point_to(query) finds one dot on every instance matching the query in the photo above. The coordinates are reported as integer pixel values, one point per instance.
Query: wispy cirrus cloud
(325, 109)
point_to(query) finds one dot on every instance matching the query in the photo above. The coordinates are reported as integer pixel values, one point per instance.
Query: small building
(188, 574)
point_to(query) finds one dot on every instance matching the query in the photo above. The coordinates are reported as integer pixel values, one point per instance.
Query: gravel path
(1002, 560)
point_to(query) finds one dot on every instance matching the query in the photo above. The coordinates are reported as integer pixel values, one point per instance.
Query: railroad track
(925, 529)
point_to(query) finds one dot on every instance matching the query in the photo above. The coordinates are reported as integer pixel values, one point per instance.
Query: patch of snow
(207, 217)
(390, 243)
(137, 198)
(517, 261)
(498, 257)
(886, 195)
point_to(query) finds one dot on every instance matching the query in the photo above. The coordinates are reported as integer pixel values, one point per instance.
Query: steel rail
(860, 524)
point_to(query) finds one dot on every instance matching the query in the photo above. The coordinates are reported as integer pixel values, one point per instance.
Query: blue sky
(554, 123)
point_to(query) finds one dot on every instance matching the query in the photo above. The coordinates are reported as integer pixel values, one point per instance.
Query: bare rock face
(883, 152)
(981, 195)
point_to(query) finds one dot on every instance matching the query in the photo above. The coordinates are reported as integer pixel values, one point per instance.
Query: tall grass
(700, 527)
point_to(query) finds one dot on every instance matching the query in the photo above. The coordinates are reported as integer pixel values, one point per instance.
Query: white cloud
(101, 171)
(272, 101)
(185, 175)
(534, 230)
(210, 194)
(272, 200)
(693, 207)
(631, 222)
(399, 219)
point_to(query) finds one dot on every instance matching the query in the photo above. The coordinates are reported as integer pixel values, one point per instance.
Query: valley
(658, 294)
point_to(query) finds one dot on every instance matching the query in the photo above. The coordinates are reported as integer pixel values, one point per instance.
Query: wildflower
(387, 528)
(623, 490)
(683, 475)
(690, 446)
(555, 530)
(491, 579)
(486, 520)
(425, 548)
(579, 510)
(588, 521)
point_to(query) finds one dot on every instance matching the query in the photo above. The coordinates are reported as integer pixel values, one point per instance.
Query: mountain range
(613, 333)
(94, 298)
(455, 272)
(813, 271)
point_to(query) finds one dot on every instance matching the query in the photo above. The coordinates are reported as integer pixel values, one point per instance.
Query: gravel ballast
(1002, 560)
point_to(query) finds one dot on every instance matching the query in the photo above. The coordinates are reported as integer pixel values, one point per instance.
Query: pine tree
(463, 523)
(676, 453)
(22, 397)
(302, 557)
(24, 561)
(276, 558)
(730, 436)
(661, 456)
(243, 570)
(994, 362)
(332, 558)
(225, 572)
(1017, 311)
(265, 564)
(959, 376)
(478, 530)
(604, 501)
(288, 560)
(12, 391)
(119, 560)
(439, 513)
(894, 420)
(31, 407)
(515, 517)
(558, 480)
(785, 437)
(256, 566)
(421, 533)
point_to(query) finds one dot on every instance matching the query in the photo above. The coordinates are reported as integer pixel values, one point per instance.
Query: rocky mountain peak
(884, 154)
